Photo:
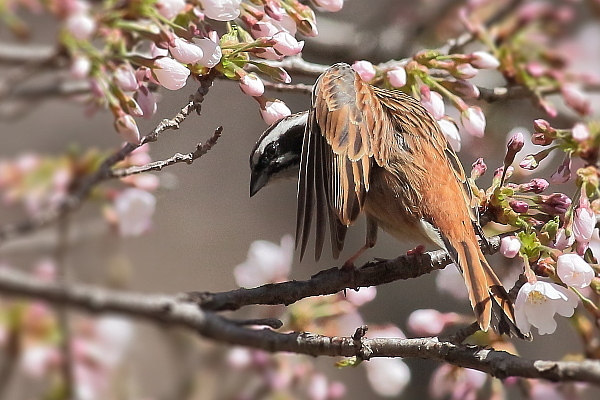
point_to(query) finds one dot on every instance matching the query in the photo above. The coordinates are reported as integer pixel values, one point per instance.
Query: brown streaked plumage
(379, 152)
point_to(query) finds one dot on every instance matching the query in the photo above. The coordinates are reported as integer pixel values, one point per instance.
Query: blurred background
(205, 220)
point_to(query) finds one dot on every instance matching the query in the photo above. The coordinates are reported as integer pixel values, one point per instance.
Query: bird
(361, 149)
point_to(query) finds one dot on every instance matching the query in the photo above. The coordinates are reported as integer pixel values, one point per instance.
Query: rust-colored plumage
(381, 153)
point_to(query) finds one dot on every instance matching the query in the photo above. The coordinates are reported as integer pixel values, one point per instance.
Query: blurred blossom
(484, 60)
(429, 322)
(580, 132)
(337, 390)
(537, 303)
(574, 271)
(134, 208)
(397, 76)
(266, 263)
(459, 383)
(146, 100)
(287, 44)
(365, 69)
(45, 270)
(127, 128)
(450, 280)
(433, 102)
(37, 360)
(451, 134)
(465, 71)
(145, 181)
(80, 25)
(318, 387)
(139, 156)
(388, 376)
(330, 5)
(80, 67)
(114, 334)
(542, 390)
(125, 78)
(563, 241)
(362, 296)
(473, 120)
(252, 85)
(156, 51)
(576, 99)
(510, 246)
(212, 52)
(273, 111)
(239, 357)
(221, 10)
(463, 88)
(170, 73)
(185, 52)
(170, 8)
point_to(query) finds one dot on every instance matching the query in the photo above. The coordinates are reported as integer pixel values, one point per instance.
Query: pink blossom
(584, 221)
(139, 156)
(221, 10)
(170, 73)
(473, 120)
(80, 67)
(264, 28)
(146, 181)
(451, 134)
(576, 99)
(37, 360)
(80, 25)
(287, 44)
(337, 390)
(146, 100)
(464, 89)
(125, 78)
(273, 111)
(45, 270)
(574, 271)
(157, 52)
(510, 246)
(388, 376)
(318, 387)
(212, 52)
(134, 208)
(563, 173)
(185, 52)
(274, 10)
(536, 185)
(580, 132)
(478, 168)
(554, 204)
(365, 69)
(465, 71)
(330, 5)
(362, 296)
(266, 263)
(519, 206)
(433, 102)
(252, 85)
(170, 8)
(429, 322)
(397, 76)
(483, 60)
(537, 303)
(127, 128)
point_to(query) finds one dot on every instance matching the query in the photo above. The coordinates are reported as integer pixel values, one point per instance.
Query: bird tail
(489, 299)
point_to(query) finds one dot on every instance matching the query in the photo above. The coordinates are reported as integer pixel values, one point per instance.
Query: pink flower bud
(185, 52)
(157, 52)
(473, 120)
(584, 221)
(433, 102)
(80, 25)
(483, 60)
(519, 206)
(263, 29)
(465, 71)
(127, 128)
(510, 246)
(529, 162)
(463, 88)
(574, 271)
(221, 10)
(451, 134)
(562, 241)
(170, 8)
(541, 139)
(274, 10)
(563, 173)
(212, 52)
(337, 390)
(536, 185)
(287, 44)
(397, 77)
(576, 99)
(80, 67)
(536, 69)
(125, 78)
(146, 101)
(542, 126)
(330, 5)
(273, 111)
(252, 85)
(170, 73)
(515, 144)
(365, 69)
(554, 204)
(478, 168)
(580, 132)
(361, 297)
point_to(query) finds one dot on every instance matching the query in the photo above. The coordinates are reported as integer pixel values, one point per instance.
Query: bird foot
(419, 250)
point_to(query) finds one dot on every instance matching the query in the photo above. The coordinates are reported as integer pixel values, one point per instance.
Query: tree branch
(174, 311)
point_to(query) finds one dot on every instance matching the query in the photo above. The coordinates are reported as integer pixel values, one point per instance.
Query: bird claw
(417, 251)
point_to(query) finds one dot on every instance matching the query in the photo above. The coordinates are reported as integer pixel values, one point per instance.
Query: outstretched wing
(347, 126)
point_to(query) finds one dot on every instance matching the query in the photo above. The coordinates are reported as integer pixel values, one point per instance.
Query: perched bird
(379, 152)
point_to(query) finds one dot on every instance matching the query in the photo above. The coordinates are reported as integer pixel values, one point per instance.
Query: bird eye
(271, 149)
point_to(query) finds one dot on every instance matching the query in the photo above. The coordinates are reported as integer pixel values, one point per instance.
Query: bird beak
(257, 181)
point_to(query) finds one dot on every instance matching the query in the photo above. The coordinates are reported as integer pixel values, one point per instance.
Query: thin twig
(284, 87)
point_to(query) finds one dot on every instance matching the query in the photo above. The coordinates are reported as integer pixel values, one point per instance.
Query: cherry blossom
(397, 76)
(266, 263)
(473, 120)
(185, 52)
(510, 246)
(170, 8)
(584, 221)
(451, 134)
(429, 322)
(537, 303)
(483, 60)
(80, 67)
(212, 52)
(362, 296)
(451, 281)
(330, 5)
(127, 128)
(459, 383)
(221, 10)
(287, 44)
(134, 208)
(433, 102)
(388, 376)
(146, 100)
(170, 73)
(365, 69)
(563, 241)
(124, 77)
(273, 111)
(574, 271)
(80, 25)
(580, 132)
(252, 85)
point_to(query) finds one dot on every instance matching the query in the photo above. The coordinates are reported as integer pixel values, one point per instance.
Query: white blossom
(574, 271)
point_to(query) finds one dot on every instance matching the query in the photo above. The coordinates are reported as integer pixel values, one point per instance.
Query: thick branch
(169, 310)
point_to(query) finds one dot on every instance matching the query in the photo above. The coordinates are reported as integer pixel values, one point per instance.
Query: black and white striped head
(277, 152)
